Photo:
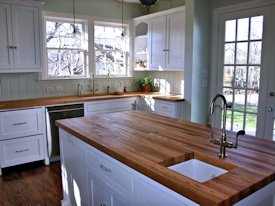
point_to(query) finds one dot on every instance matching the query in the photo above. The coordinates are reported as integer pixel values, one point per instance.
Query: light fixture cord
(74, 31)
(122, 18)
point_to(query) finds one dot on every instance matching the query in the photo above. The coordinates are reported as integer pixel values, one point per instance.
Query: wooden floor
(31, 184)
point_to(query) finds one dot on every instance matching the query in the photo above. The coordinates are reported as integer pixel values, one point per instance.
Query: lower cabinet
(73, 171)
(169, 109)
(91, 177)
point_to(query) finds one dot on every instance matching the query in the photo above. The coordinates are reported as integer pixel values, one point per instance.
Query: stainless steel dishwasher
(54, 113)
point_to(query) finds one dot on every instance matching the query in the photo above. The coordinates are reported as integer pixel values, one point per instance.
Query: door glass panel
(229, 53)
(253, 78)
(252, 101)
(251, 124)
(243, 25)
(228, 79)
(242, 53)
(239, 99)
(242, 67)
(240, 77)
(230, 28)
(238, 121)
(256, 27)
(255, 52)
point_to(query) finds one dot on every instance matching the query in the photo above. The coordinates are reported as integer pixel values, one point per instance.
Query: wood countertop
(16, 104)
(149, 143)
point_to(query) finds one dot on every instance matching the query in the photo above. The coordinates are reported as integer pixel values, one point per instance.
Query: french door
(246, 76)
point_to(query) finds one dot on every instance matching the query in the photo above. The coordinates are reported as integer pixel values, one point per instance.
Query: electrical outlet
(59, 88)
(49, 89)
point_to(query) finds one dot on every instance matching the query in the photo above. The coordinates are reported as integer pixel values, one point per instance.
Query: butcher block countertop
(84, 98)
(149, 143)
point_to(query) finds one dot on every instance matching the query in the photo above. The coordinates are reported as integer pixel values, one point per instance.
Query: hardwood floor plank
(31, 184)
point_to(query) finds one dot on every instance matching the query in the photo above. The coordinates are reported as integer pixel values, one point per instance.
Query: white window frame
(127, 53)
(89, 28)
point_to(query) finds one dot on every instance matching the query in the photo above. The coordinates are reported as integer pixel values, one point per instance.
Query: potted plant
(146, 84)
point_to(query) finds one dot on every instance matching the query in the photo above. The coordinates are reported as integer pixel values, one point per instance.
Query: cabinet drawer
(106, 106)
(20, 123)
(114, 172)
(21, 150)
(164, 108)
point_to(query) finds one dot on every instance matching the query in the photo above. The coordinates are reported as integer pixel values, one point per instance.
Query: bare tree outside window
(111, 50)
(65, 49)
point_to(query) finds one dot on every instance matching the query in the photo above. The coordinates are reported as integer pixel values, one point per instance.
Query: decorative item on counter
(119, 89)
(156, 87)
(146, 84)
(141, 64)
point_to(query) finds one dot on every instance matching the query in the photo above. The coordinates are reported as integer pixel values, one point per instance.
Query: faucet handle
(241, 132)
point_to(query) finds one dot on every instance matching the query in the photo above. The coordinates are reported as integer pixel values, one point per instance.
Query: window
(66, 51)
(111, 50)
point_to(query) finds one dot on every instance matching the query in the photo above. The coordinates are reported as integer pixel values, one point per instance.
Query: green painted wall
(100, 8)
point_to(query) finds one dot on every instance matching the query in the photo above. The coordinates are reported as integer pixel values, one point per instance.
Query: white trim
(89, 28)
(161, 13)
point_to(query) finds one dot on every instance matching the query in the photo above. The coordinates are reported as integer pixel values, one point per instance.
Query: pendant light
(148, 4)
(123, 34)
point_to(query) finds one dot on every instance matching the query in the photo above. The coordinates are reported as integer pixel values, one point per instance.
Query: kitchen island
(148, 143)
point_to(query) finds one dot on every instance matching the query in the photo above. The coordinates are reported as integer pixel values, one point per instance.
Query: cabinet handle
(165, 50)
(20, 151)
(12, 47)
(102, 204)
(19, 123)
(164, 107)
(106, 169)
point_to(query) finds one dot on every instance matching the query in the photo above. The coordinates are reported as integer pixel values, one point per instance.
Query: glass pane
(64, 42)
(228, 119)
(99, 31)
(252, 101)
(240, 77)
(255, 52)
(243, 25)
(228, 76)
(230, 30)
(228, 94)
(251, 124)
(242, 53)
(65, 63)
(253, 80)
(256, 30)
(62, 28)
(238, 121)
(239, 101)
(229, 53)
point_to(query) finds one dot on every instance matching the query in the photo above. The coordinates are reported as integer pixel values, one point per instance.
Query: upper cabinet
(20, 37)
(162, 47)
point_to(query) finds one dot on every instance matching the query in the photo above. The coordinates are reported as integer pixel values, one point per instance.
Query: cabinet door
(96, 190)
(115, 198)
(73, 162)
(26, 34)
(157, 43)
(6, 53)
(175, 41)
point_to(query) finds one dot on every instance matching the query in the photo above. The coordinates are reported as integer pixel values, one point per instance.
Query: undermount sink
(198, 170)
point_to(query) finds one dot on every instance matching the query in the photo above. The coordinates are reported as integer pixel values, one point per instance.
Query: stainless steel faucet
(222, 140)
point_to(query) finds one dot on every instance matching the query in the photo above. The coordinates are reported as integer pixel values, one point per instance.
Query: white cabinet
(72, 154)
(169, 109)
(166, 42)
(20, 37)
(22, 137)
(107, 181)
(160, 41)
(108, 106)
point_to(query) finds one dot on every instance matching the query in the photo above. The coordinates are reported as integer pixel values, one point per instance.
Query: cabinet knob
(271, 94)
(165, 50)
